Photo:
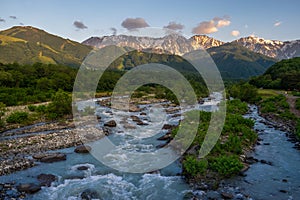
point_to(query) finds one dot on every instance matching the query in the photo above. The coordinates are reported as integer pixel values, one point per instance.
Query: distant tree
(61, 105)
(244, 92)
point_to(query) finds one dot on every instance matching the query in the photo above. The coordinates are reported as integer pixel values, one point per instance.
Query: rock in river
(89, 195)
(50, 157)
(46, 179)
(111, 123)
(82, 149)
(28, 188)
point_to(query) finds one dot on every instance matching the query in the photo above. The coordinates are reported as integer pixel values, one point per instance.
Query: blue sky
(223, 20)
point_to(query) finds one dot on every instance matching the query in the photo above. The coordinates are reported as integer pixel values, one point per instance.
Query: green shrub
(194, 167)
(233, 145)
(31, 108)
(236, 106)
(226, 165)
(41, 109)
(17, 117)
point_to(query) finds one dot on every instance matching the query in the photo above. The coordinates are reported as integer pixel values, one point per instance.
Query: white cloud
(207, 27)
(235, 33)
(223, 22)
(276, 24)
(134, 23)
(174, 26)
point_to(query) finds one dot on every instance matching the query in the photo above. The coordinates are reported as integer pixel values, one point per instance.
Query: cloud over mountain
(79, 25)
(134, 23)
(207, 27)
(174, 26)
(235, 33)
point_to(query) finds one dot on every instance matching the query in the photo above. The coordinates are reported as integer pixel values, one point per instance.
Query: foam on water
(111, 186)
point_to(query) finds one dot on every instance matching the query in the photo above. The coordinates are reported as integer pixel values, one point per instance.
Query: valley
(51, 135)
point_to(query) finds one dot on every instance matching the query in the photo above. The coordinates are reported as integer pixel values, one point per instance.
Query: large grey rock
(46, 179)
(29, 188)
(83, 149)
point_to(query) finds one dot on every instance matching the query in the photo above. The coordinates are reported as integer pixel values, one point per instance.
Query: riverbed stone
(82, 168)
(55, 157)
(111, 123)
(226, 195)
(135, 118)
(168, 126)
(46, 179)
(129, 126)
(29, 188)
(89, 194)
(165, 137)
(83, 149)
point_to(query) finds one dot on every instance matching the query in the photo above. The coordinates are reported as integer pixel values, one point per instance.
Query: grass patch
(267, 93)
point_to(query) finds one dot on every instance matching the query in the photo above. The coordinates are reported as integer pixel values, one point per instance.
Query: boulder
(266, 162)
(133, 108)
(251, 160)
(165, 137)
(46, 179)
(168, 126)
(29, 188)
(227, 195)
(81, 168)
(111, 123)
(129, 126)
(135, 118)
(39, 156)
(141, 123)
(89, 194)
(283, 191)
(54, 158)
(83, 149)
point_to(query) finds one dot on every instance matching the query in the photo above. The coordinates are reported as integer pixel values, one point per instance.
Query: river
(278, 179)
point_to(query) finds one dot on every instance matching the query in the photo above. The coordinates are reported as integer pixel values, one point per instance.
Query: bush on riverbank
(226, 165)
(236, 138)
(17, 117)
(278, 106)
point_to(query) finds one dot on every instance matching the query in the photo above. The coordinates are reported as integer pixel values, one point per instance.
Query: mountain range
(241, 58)
(180, 45)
